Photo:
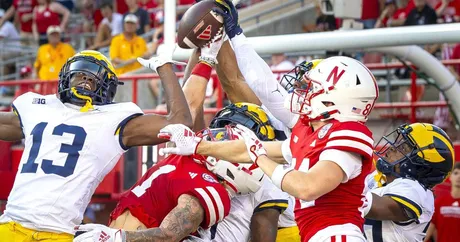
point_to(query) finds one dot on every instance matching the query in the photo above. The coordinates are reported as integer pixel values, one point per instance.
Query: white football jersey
(67, 154)
(415, 199)
(236, 226)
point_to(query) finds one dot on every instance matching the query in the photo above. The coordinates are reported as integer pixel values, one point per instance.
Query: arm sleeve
(261, 80)
(350, 162)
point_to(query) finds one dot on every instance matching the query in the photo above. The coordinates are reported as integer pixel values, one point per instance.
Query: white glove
(99, 232)
(210, 51)
(184, 138)
(164, 55)
(253, 144)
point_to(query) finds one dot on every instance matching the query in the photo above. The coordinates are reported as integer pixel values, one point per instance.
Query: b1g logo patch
(324, 130)
(209, 178)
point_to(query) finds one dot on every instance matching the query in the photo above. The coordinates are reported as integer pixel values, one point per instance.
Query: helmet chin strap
(380, 178)
(322, 117)
(89, 101)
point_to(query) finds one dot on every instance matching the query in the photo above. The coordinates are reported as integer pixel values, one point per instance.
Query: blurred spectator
(149, 6)
(111, 25)
(445, 224)
(127, 46)
(448, 11)
(400, 15)
(52, 56)
(387, 14)
(143, 16)
(185, 2)
(87, 10)
(158, 34)
(47, 13)
(9, 36)
(5, 4)
(66, 3)
(26, 73)
(280, 63)
(9, 43)
(422, 14)
(455, 55)
(24, 10)
(323, 22)
(370, 13)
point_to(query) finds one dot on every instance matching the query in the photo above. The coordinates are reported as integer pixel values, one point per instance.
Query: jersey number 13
(72, 150)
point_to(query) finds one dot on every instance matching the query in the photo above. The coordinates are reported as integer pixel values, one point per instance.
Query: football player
(260, 221)
(330, 148)
(73, 139)
(247, 211)
(238, 90)
(412, 159)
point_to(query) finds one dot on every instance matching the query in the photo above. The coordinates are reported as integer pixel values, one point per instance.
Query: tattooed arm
(183, 220)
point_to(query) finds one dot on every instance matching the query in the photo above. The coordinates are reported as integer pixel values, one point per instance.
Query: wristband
(208, 60)
(279, 173)
(202, 69)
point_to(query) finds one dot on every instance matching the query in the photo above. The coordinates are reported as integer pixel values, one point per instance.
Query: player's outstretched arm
(194, 90)
(143, 130)
(195, 86)
(322, 178)
(264, 225)
(187, 143)
(255, 70)
(235, 151)
(386, 208)
(10, 127)
(231, 78)
(183, 220)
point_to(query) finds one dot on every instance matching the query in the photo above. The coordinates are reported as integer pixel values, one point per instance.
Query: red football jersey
(157, 192)
(345, 203)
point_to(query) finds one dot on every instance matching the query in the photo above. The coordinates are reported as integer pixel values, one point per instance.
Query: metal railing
(135, 79)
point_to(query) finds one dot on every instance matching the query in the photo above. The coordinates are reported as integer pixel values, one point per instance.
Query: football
(199, 25)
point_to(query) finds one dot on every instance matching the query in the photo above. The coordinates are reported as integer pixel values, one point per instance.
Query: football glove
(99, 232)
(183, 137)
(228, 11)
(253, 145)
(209, 52)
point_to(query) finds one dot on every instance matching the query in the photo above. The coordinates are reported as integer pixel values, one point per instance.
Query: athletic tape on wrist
(279, 173)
